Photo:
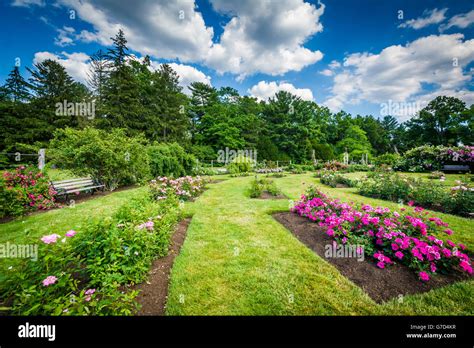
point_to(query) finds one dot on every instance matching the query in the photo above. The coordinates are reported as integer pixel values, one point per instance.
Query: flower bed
(23, 190)
(185, 188)
(459, 200)
(86, 272)
(388, 236)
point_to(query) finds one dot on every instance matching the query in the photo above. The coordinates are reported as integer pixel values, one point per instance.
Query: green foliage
(355, 142)
(333, 179)
(323, 152)
(258, 186)
(240, 164)
(388, 159)
(169, 160)
(444, 121)
(110, 157)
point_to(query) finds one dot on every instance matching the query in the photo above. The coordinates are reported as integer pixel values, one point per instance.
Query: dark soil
(154, 292)
(268, 195)
(380, 284)
(341, 186)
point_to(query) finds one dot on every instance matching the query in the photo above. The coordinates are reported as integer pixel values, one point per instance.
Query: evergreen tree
(16, 88)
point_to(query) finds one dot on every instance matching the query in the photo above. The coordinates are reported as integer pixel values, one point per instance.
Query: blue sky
(349, 55)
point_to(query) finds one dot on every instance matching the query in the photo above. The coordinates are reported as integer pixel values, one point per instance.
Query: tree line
(128, 93)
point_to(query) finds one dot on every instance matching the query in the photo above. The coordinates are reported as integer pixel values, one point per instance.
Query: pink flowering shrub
(387, 236)
(85, 272)
(25, 189)
(184, 188)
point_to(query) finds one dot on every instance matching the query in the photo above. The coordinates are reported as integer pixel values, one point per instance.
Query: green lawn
(237, 260)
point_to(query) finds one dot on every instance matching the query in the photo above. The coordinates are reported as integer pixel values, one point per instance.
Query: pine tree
(121, 97)
(98, 74)
(16, 88)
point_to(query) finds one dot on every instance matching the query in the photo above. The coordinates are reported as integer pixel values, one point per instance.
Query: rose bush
(25, 189)
(184, 188)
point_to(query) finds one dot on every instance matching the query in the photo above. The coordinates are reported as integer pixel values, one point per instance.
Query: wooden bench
(455, 168)
(67, 187)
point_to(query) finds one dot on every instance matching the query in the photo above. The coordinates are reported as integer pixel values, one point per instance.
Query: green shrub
(170, 160)
(107, 156)
(240, 164)
(333, 179)
(258, 186)
(323, 152)
(389, 159)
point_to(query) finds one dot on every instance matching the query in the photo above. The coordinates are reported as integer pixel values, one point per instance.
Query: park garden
(133, 209)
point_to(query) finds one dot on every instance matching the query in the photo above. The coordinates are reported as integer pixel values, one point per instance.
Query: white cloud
(326, 72)
(265, 36)
(28, 3)
(429, 17)
(64, 37)
(334, 65)
(162, 29)
(265, 90)
(261, 36)
(76, 64)
(416, 72)
(187, 74)
(462, 21)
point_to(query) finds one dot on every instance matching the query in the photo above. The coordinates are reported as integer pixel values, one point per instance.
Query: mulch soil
(154, 292)
(380, 284)
(268, 195)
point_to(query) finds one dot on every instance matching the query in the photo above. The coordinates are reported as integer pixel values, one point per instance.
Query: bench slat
(79, 189)
(81, 183)
(59, 182)
(70, 186)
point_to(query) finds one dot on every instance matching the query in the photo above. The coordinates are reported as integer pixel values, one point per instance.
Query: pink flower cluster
(462, 154)
(184, 187)
(149, 225)
(32, 186)
(405, 238)
(53, 238)
(49, 280)
(89, 293)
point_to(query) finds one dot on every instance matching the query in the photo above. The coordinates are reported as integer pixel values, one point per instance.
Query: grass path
(237, 260)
